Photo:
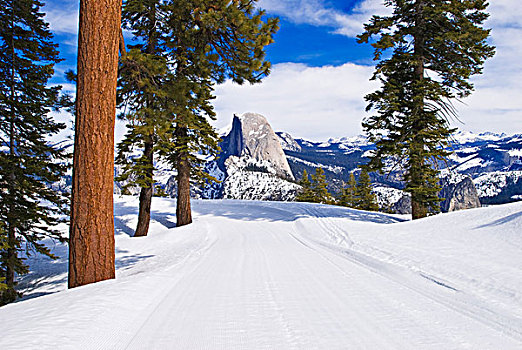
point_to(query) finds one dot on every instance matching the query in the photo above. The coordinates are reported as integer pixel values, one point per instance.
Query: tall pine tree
(29, 208)
(91, 247)
(437, 45)
(203, 42)
(142, 88)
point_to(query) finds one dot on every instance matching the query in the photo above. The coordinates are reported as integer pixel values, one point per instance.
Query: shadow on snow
(52, 274)
(284, 211)
(502, 221)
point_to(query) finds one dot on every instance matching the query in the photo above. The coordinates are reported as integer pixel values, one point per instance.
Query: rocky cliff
(458, 192)
(252, 164)
(252, 137)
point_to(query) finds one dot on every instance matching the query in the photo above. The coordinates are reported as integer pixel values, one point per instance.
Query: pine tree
(348, 194)
(306, 194)
(204, 42)
(91, 248)
(365, 198)
(319, 190)
(437, 46)
(229, 40)
(141, 87)
(29, 207)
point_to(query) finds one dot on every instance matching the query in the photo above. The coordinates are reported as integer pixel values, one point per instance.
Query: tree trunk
(91, 246)
(146, 192)
(418, 211)
(183, 210)
(121, 45)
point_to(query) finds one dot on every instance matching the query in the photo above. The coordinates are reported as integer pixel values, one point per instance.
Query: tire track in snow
(272, 291)
(464, 304)
(194, 258)
(320, 286)
(218, 300)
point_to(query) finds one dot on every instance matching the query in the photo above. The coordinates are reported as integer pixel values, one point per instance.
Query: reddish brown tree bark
(183, 210)
(146, 192)
(91, 246)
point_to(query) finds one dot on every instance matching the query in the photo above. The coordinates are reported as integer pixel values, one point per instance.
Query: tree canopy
(436, 46)
(29, 207)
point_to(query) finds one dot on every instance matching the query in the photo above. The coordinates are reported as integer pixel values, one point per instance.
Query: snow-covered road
(252, 275)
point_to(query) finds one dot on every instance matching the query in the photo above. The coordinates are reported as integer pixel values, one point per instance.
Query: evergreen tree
(349, 193)
(319, 190)
(365, 198)
(141, 88)
(91, 247)
(196, 43)
(29, 208)
(221, 40)
(306, 194)
(437, 46)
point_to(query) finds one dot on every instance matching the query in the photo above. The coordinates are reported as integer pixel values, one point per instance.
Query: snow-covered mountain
(492, 161)
(252, 164)
(257, 163)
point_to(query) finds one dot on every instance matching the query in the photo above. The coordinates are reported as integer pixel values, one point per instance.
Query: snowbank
(266, 275)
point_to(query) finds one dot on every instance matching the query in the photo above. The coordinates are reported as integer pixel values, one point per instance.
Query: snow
(261, 182)
(267, 275)
(387, 196)
(493, 183)
(333, 169)
(324, 144)
(463, 137)
(451, 177)
(473, 163)
(458, 159)
(350, 142)
(287, 142)
(517, 152)
(368, 154)
(341, 143)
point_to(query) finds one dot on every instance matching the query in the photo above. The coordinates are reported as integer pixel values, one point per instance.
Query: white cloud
(62, 16)
(317, 12)
(496, 105)
(323, 102)
(310, 102)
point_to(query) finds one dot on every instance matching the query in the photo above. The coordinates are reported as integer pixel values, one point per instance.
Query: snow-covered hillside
(493, 161)
(266, 275)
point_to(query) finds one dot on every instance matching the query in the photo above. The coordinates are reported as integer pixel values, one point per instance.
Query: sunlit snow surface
(265, 275)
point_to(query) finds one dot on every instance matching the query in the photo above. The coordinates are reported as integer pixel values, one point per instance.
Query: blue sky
(320, 74)
(296, 41)
(314, 46)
